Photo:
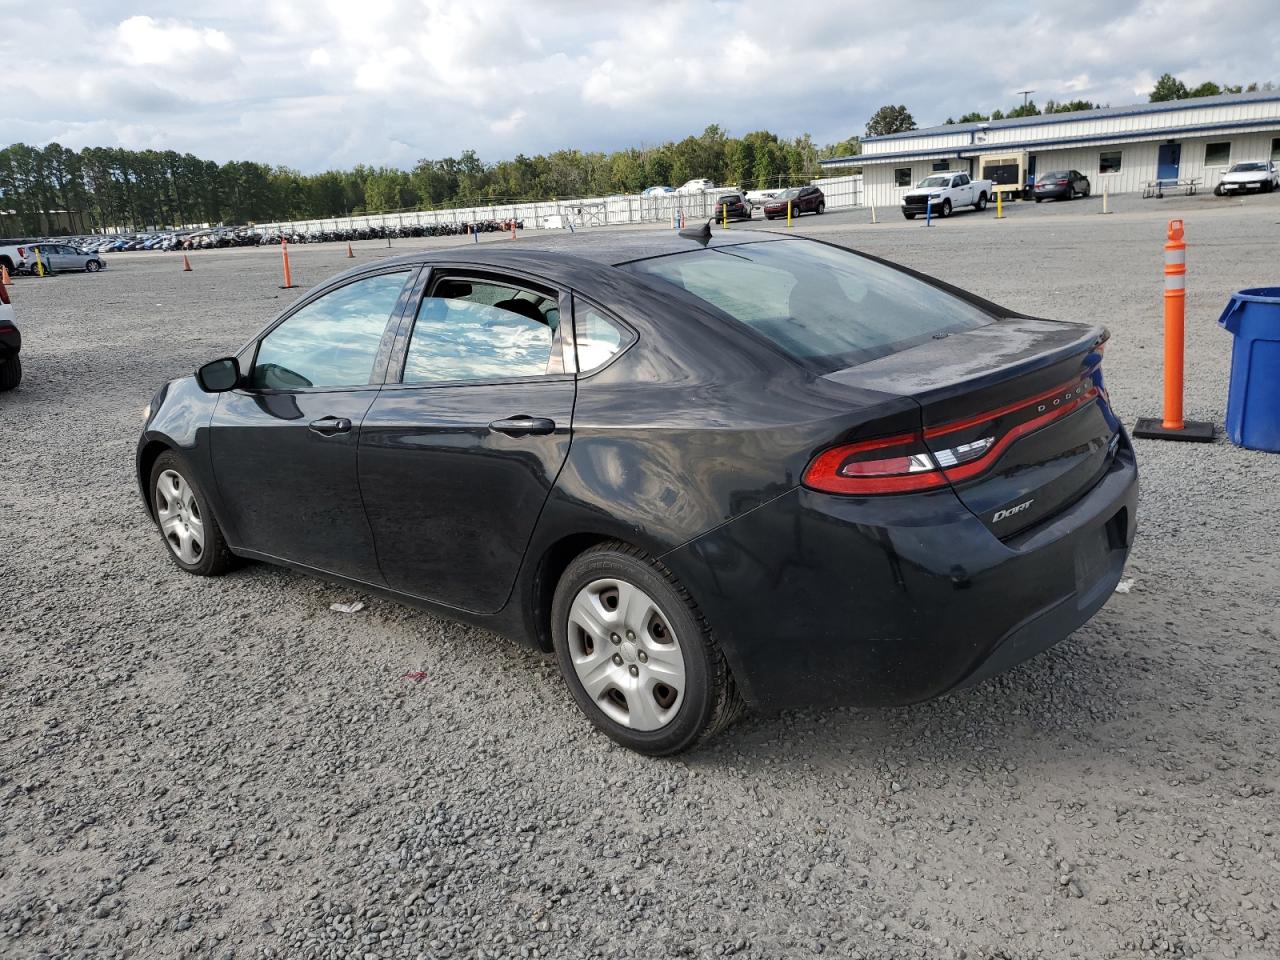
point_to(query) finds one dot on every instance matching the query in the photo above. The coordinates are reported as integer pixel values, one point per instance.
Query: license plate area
(1092, 554)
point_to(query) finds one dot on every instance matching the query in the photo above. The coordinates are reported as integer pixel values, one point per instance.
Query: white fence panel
(840, 192)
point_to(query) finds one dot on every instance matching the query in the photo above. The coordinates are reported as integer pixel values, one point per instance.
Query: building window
(902, 177)
(942, 166)
(1217, 154)
(1109, 161)
(1275, 149)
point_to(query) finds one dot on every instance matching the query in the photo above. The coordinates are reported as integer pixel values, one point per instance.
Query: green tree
(890, 119)
(1168, 87)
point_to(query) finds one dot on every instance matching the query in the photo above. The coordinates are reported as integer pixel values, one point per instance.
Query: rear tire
(11, 373)
(982, 203)
(612, 604)
(821, 206)
(186, 523)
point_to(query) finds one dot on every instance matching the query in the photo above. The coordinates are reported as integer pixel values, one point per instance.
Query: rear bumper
(1052, 193)
(887, 601)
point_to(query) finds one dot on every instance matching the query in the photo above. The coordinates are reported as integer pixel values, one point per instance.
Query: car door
(284, 445)
(467, 437)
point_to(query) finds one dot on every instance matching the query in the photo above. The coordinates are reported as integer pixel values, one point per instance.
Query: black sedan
(10, 344)
(705, 471)
(1061, 185)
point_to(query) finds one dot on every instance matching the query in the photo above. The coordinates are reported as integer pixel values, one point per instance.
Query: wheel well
(553, 564)
(147, 460)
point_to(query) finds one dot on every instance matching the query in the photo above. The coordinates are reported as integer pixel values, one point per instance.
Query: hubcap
(179, 516)
(626, 655)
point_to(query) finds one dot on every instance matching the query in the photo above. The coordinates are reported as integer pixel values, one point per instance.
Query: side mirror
(219, 376)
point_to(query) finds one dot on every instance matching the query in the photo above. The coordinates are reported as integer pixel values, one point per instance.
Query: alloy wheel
(179, 515)
(625, 654)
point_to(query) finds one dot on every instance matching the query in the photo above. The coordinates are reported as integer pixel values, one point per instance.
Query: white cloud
(143, 41)
(318, 83)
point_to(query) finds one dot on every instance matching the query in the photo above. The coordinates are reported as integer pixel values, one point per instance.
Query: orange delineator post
(284, 253)
(351, 254)
(1172, 426)
(186, 264)
(4, 276)
(1175, 305)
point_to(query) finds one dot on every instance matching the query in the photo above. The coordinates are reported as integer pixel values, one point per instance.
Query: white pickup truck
(946, 191)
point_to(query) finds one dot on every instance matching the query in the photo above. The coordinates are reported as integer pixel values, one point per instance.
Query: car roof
(604, 248)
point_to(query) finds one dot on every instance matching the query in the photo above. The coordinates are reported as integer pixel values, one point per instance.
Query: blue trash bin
(1253, 401)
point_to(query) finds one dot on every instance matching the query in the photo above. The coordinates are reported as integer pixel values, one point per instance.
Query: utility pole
(1025, 95)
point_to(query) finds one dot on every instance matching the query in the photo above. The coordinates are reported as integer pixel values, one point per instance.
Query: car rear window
(827, 307)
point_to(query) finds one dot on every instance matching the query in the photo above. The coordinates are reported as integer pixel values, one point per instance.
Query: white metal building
(1118, 148)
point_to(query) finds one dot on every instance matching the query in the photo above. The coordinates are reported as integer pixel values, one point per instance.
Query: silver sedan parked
(62, 257)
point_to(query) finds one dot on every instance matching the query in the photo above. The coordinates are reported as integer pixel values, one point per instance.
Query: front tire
(187, 526)
(93, 266)
(636, 653)
(1218, 191)
(946, 208)
(908, 215)
(11, 373)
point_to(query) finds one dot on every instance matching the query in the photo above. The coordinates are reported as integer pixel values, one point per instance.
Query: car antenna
(702, 234)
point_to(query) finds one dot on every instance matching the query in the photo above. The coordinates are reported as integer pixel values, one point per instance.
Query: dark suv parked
(734, 205)
(802, 200)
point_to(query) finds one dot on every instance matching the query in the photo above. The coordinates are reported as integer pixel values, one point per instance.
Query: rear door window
(480, 329)
(827, 307)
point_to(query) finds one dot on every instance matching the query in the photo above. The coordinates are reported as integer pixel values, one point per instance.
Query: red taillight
(904, 463)
(1062, 183)
(889, 465)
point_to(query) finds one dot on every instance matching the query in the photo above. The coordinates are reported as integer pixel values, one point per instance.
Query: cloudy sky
(316, 84)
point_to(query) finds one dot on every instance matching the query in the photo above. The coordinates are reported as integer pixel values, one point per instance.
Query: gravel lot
(225, 768)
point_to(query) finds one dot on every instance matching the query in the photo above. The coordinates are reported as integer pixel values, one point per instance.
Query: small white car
(696, 186)
(1249, 175)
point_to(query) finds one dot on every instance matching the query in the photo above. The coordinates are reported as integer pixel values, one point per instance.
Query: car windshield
(1247, 167)
(789, 194)
(826, 307)
(936, 181)
(728, 198)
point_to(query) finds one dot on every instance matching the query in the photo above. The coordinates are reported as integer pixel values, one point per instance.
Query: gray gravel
(227, 768)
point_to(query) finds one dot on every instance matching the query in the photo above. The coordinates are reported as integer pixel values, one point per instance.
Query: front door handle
(523, 426)
(328, 426)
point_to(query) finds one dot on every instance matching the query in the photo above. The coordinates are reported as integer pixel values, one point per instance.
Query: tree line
(53, 189)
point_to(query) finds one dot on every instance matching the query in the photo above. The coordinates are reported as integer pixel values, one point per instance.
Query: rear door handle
(328, 426)
(523, 426)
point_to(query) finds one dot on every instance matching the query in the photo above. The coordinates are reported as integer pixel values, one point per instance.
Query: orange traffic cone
(186, 264)
(351, 254)
(4, 276)
(288, 276)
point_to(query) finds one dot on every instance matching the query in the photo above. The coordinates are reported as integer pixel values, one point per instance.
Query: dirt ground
(227, 768)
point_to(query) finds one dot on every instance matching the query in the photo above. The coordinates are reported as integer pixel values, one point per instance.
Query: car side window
(597, 337)
(332, 341)
(962, 180)
(469, 329)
